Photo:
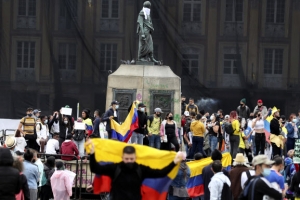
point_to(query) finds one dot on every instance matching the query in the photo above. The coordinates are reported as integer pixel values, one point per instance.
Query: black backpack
(79, 135)
(245, 192)
(187, 125)
(228, 128)
(226, 192)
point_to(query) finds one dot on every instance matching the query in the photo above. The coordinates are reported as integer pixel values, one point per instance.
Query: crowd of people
(262, 165)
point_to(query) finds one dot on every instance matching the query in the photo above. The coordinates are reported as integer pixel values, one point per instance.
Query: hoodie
(197, 128)
(69, 148)
(216, 185)
(61, 184)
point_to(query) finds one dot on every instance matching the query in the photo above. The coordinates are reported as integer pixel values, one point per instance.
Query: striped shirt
(28, 125)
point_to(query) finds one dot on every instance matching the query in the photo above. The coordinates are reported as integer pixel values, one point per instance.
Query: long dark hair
(166, 118)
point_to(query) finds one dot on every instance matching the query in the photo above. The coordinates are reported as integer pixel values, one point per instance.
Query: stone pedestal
(155, 86)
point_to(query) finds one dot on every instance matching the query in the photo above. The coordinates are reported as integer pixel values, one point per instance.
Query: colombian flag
(110, 151)
(267, 125)
(124, 131)
(89, 126)
(195, 184)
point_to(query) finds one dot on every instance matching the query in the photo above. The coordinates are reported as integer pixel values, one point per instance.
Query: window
(25, 54)
(275, 11)
(68, 14)
(230, 63)
(27, 8)
(67, 56)
(192, 10)
(108, 56)
(110, 8)
(273, 61)
(190, 64)
(234, 10)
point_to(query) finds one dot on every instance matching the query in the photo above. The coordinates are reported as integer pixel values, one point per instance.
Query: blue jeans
(171, 197)
(198, 198)
(253, 144)
(197, 146)
(80, 147)
(137, 138)
(213, 142)
(154, 141)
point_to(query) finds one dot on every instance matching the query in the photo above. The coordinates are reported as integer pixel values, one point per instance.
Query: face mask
(278, 118)
(129, 165)
(142, 109)
(242, 104)
(117, 106)
(251, 117)
(158, 114)
(66, 122)
(29, 114)
(266, 172)
(212, 117)
(46, 121)
(171, 118)
(295, 120)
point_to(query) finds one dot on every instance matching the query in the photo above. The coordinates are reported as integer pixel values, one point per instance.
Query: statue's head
(147, 4)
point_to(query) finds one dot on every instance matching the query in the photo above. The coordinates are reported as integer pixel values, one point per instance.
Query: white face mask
(117, 106)
(142, 109)
(212, 117)
(46, 121)
(66, 122)
(146, 12)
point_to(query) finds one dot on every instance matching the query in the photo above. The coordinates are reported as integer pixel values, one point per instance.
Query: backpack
(228, 128)
(79, 135)
(187, 125)
(226, 191)
(151, 118)
(244, 194)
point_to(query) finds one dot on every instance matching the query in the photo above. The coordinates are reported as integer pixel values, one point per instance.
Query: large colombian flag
(124, 131)
(195, 184)
(110, 151)
(267, 125)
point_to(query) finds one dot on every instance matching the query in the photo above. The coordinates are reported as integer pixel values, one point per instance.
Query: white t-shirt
(52, 146)
(42, 133)
(244, 177)
(21, 144)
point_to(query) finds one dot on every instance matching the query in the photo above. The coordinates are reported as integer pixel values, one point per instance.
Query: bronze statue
(145, 29)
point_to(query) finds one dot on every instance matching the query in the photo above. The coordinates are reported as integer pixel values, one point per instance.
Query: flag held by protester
(109, 151)
(123, 132)
(195, 184)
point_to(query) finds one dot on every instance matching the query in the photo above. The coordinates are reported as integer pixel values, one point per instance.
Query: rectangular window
(27, 8)
(192, 10)
(110, 8)
(234, 10)
(68, 14)
(273, 61)
(108, 56)
(230, 63)
(275, 11)
(190, 64)
(67, 56)
(25, 54)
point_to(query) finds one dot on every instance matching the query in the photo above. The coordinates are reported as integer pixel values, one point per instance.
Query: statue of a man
(145, 29)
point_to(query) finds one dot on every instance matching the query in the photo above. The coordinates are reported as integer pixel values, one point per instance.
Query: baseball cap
(158, 110)
(36, 111)
(186, 113)
(261, 159)
(141, 105)
(227, 116)
(259, 101)
(114, 102)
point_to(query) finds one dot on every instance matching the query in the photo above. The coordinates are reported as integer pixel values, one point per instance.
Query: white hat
(227, 116)
(158, 110)
(186, 113)
(261, 159)
(10, 142)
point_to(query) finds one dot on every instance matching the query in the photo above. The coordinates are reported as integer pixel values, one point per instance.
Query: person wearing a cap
(10, 180)
(192, 107)
(27, 129)
(153, 125)
(243, 110)
(111, 113)
(275, 138)
(36, 113)
(10, 143)
(261, 108)
(139, 133)
(261, 186)
(240, 166)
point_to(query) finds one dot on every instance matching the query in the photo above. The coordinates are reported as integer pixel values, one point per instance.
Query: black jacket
(127, 185)
(142, 121)
(108, 113)
(275, 126)
(48, 173)
(10, 183)
(294, 187)
(63, 128)
(207, 174)
(24, 187)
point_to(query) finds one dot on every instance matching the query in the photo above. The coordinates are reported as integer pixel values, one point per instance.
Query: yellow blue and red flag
(123, 132)
(267, 125)
(195, 184)
(110, 151)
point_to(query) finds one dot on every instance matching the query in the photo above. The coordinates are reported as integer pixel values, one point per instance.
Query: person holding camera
(258, 126)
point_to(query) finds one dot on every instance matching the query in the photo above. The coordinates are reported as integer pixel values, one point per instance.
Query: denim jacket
(180, 181)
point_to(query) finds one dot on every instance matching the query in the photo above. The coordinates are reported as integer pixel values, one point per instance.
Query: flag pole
(77, 110)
